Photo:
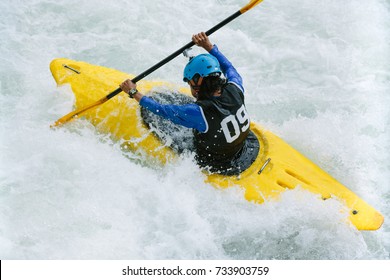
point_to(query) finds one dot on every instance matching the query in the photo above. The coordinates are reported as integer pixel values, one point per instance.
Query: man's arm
(202, 40)
(188, 115)
(227, 68)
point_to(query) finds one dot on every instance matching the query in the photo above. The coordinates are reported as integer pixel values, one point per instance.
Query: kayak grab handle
(71, 69)
(264, 165)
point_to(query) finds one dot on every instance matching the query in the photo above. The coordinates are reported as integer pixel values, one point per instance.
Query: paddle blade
(75, 113)
(250, 5)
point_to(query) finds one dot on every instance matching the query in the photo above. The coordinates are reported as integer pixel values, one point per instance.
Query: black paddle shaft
(176, 53)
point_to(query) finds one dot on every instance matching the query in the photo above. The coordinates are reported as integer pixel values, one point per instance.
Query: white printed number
(241, 117)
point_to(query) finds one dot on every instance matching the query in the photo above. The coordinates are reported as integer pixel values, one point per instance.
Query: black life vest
(221, 147)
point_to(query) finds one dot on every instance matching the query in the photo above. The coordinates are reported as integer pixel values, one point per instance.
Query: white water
(316, 73)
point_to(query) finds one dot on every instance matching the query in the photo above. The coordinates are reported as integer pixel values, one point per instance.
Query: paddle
(75, 113)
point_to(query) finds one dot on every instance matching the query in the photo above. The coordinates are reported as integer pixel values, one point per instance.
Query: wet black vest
(220, 148)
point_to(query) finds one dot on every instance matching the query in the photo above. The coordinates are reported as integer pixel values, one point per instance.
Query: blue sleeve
(227, 68)
(188, 115)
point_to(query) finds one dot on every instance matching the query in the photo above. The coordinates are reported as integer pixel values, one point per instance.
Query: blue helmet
(203, 65)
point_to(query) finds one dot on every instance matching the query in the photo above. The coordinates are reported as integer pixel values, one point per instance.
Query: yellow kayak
(277, 167)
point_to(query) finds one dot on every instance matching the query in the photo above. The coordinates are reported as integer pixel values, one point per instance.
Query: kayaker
(221, 124)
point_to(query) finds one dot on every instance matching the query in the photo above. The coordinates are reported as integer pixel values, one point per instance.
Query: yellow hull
(278, 166)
